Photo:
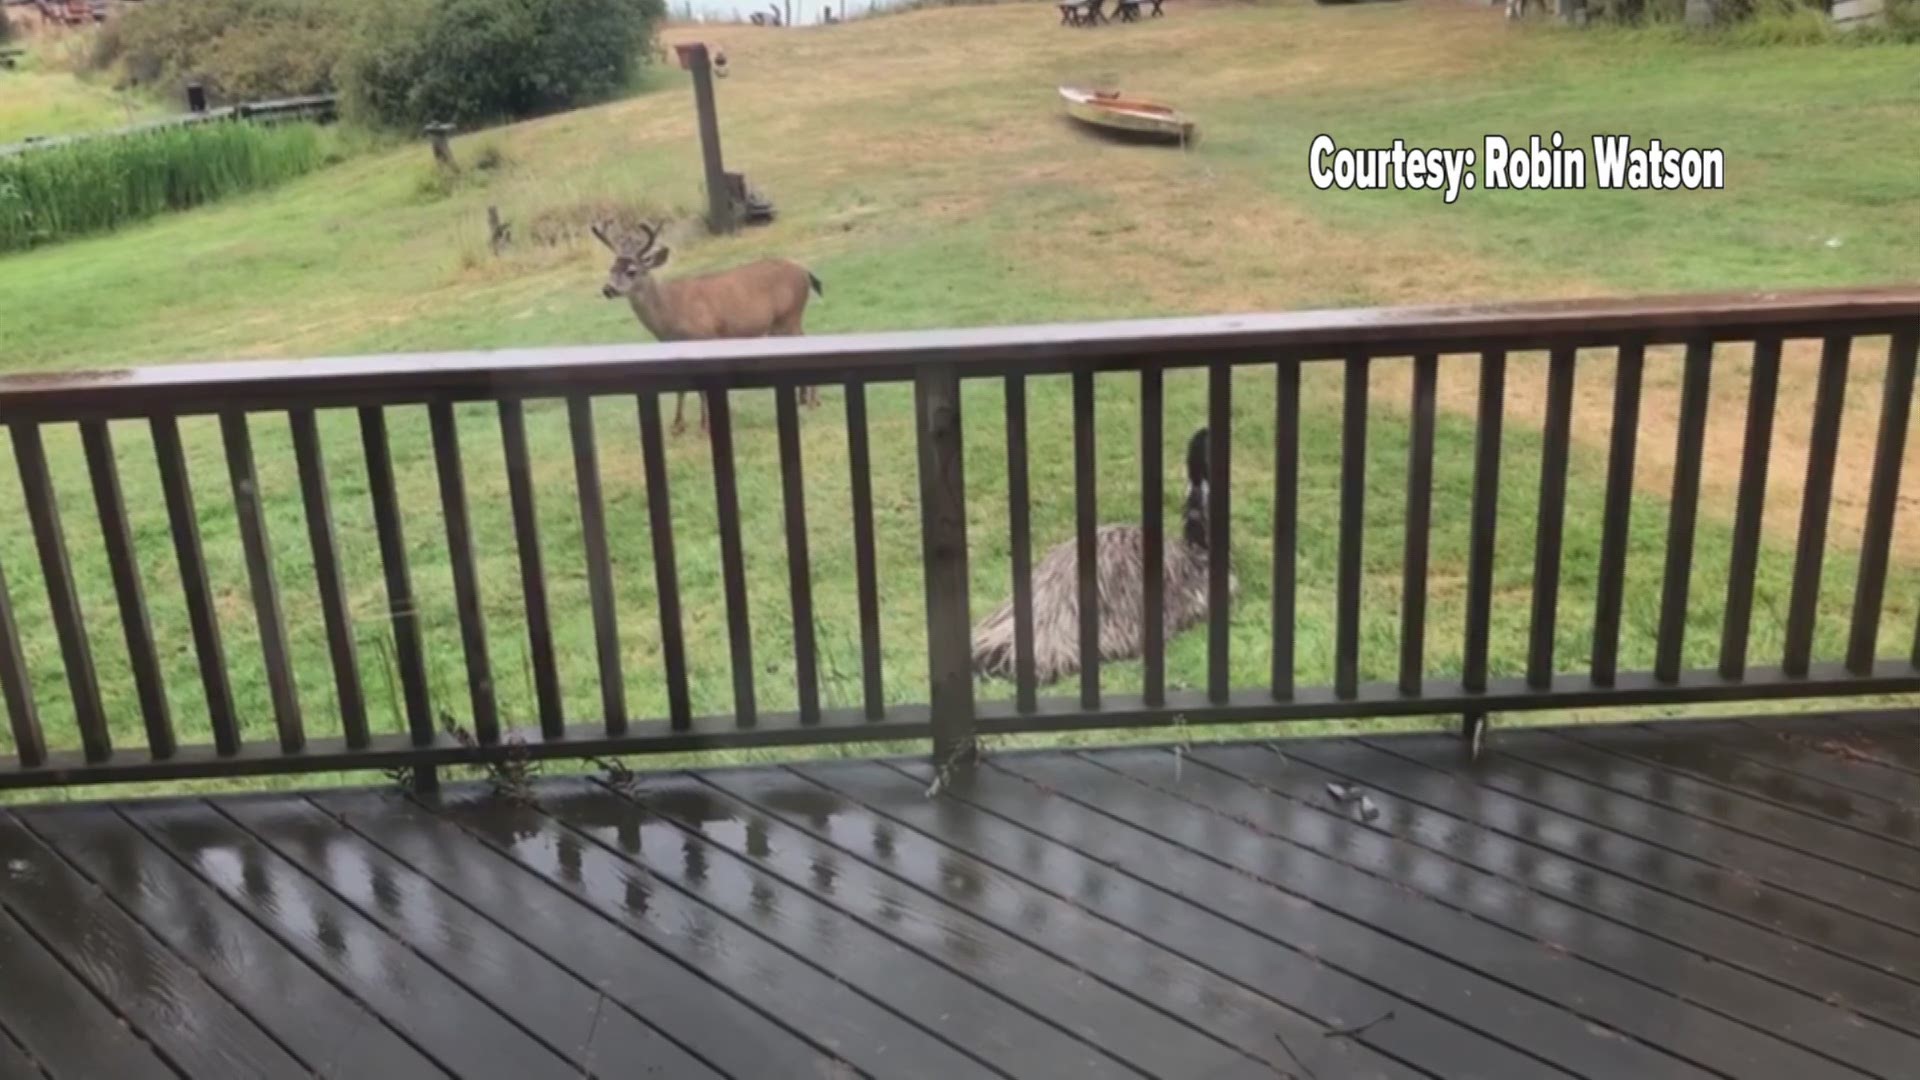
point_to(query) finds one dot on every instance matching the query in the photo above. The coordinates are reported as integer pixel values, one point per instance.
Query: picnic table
(1083, 13)
(1093, 13)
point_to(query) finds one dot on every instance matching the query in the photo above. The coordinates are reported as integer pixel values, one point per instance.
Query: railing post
(943, 538)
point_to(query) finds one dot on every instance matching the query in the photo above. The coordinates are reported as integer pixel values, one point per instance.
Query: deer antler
(599, 230)
(652, 231)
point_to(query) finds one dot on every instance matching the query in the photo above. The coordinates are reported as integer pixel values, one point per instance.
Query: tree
(469, 61)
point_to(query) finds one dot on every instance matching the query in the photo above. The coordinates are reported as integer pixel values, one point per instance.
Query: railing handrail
(1320, 334)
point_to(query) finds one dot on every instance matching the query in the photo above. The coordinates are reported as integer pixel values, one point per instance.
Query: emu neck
(1194, 519)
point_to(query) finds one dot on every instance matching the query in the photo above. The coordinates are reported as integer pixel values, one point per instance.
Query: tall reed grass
(99, 184)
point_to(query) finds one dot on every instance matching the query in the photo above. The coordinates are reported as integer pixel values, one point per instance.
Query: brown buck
(767, 298)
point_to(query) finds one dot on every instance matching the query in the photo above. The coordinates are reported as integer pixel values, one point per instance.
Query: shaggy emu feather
(1121, 581)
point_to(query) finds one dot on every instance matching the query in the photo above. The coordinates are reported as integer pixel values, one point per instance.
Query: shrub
(1762, 22)
(239, 49)
(99, 184)
(489, 157)
(470, 61)
(1903, 20)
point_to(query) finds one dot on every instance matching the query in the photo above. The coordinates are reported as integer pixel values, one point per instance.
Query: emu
(767, 298)
(1120, 579)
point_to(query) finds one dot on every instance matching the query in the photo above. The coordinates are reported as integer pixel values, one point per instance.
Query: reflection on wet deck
(1725, 899)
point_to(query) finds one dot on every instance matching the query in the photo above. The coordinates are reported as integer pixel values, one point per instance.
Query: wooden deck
(1710, 899)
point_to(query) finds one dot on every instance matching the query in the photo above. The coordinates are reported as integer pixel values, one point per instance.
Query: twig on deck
(1358, 1030)
(599, 1006)
(1305, 1073)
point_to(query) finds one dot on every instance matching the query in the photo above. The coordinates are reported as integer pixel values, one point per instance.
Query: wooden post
(719, 203)
(499, 232)
(943, 538)
(442, 150)
(196, 98)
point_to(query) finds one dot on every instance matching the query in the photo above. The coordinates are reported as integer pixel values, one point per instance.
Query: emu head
(633, 259)
(1199, 449)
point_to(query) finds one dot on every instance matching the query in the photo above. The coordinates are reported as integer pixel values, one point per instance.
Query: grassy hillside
(41, 99)
(922, 170)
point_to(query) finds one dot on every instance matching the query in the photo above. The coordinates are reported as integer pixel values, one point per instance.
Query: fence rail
(952, 710)
(320, 108)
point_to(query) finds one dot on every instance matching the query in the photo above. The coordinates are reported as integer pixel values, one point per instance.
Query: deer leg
(807, 395)
(679, 412)
(703, 410)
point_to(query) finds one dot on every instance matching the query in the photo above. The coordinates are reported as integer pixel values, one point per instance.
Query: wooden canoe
(1127, 115)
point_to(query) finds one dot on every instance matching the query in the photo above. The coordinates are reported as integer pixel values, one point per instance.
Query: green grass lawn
(922, 172)
(40, 99)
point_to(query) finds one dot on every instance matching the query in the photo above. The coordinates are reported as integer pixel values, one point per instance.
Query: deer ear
(658, 257)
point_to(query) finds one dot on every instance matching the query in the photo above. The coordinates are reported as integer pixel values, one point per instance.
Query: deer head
(632, 260)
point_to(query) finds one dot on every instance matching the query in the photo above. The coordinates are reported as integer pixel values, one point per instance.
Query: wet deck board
(1726, 899)
(647, 982)
(306, 1011)
(163, 996)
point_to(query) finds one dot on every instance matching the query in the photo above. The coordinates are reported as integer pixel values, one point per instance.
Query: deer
(767, 298)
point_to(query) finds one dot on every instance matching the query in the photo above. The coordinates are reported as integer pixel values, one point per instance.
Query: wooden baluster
(1480, 543)
(177, 488)
(1485, 517)
(726, 498)
(1896, 404)
(593, 536)
(409, 656)
(16, 689)
(251, 512)
(326, 570)
(666, 575)
(1413, 589)
(466, 574)
(1619, 506)
(1749, 508)
(799, 566)
(1219, 533)
(1552, 520)
(1685, 503)
(1153, 549)
(866, 563)
(43, 511)
(1286, 523)
(1815, 502)
(1086, 507)
(124, 566)
(533, 577)
(1020, 545)
(1353, 493)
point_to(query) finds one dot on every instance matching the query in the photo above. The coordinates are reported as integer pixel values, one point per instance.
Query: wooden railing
(157, 404)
